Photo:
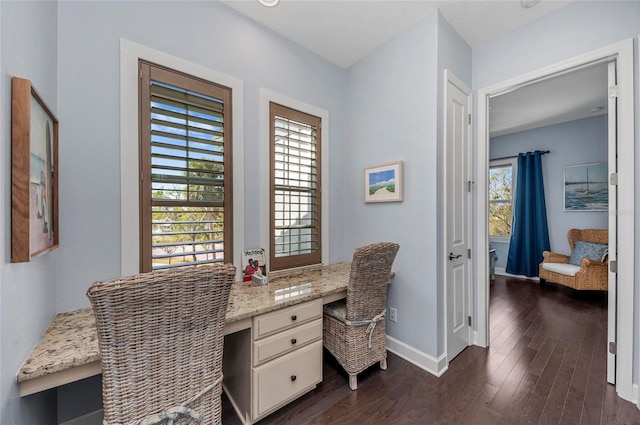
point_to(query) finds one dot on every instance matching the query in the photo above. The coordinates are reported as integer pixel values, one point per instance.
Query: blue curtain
(529, 232)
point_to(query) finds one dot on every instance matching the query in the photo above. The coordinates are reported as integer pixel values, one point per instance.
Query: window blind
(295, 183)
(188, 188)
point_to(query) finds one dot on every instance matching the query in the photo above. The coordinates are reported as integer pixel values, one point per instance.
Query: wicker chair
(354, 329)
(591, 275)
(161, 340)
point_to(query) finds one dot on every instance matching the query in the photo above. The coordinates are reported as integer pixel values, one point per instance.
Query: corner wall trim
(424, 361)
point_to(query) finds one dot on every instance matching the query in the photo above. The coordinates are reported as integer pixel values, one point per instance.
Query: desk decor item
(254, 267)
(586, 187)
(34, 173)
(383, 183)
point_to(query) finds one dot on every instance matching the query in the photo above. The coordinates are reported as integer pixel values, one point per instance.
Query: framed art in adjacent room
(586, 187)
(383, 183)
(34, 173)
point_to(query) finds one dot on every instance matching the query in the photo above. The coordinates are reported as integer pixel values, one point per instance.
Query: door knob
(453, 257)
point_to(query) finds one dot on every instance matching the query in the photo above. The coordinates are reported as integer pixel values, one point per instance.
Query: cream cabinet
(276, 361)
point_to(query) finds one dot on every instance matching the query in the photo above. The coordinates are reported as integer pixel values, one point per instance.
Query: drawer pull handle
(293, 378)
(294, 317)
(293, 340)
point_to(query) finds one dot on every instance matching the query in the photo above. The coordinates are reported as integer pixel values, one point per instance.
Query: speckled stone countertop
(71, 339)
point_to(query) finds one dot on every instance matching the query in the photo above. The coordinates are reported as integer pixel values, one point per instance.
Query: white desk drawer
(283, 342)
(285, 378)
(285, 318)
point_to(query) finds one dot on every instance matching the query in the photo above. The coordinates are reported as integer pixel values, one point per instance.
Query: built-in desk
(68, 351)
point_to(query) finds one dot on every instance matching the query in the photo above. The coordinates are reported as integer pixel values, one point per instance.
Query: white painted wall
(573, 143)
(27, 290)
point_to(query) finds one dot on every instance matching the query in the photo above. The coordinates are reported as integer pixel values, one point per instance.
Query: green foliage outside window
(500, 201)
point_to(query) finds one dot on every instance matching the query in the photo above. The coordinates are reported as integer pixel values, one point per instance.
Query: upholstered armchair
(587, 266)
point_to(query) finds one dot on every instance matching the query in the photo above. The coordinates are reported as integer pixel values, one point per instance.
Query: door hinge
(469, 119)
(469, 253)
(613, 266)
(613, 179)
(613, 348)
(140, 73)
(613, 91)
(469, 320)
(469, 184)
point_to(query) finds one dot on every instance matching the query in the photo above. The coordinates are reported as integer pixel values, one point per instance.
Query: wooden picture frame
(383, 183)
(34, 173)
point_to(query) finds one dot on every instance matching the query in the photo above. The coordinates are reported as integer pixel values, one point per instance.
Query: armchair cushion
(589, 250)
(562, 268)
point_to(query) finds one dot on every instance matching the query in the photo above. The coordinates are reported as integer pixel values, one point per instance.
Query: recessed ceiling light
(269, 3)
(528, 3)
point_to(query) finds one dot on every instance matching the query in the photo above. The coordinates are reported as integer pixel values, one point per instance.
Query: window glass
(500, 200)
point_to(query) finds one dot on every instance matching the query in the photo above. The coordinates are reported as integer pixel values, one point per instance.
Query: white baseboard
(93, 418)
(423, 360)
(502, 272)
(476, 340)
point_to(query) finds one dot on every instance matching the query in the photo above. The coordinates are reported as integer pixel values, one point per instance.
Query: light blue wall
(28, 33)
(394, 113)
(577, 28)
(208, 34)
(577, 142)
(392, 116)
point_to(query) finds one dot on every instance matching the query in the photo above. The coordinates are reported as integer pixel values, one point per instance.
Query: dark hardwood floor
(546, 365)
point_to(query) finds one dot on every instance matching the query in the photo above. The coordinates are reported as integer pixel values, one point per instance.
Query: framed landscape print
(383, 183)
(586, 187)
(34, 173)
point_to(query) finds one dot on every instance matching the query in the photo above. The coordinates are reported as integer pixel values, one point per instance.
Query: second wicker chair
(161, 341)
(354, 329)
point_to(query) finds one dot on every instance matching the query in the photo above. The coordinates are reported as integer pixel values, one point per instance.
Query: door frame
(449, 77)
(622, 52)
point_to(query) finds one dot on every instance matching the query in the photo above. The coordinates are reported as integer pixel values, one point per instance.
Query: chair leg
(353, 382)
(543, 282)
(383, 364)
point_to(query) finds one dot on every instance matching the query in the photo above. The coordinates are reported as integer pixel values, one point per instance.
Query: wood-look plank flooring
(546, 365)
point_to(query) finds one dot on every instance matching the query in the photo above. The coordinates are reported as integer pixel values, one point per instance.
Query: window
(501, 191)
(294, 188)
(185, 163)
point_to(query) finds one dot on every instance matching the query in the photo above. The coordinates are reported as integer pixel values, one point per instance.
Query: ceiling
(579, 94)
(344, 31)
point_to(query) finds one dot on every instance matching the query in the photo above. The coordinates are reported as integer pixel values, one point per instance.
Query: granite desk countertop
(71, 339)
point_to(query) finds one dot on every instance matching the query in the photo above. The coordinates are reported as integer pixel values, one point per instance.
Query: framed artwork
(586, 187)
(34, 173)
(383, 183)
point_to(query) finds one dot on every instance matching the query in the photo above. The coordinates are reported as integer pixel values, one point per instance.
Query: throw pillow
(589, 250)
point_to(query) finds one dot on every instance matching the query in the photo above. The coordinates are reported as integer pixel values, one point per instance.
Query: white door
(613, 223)
(457, 193)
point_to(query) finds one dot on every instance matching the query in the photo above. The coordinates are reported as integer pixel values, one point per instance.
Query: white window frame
(267, 96)
(130, 54)
(513, 162)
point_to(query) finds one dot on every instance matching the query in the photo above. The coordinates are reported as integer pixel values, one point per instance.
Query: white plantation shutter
(295, 188)
(185, 149)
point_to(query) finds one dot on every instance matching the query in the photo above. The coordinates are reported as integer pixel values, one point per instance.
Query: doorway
(621, 155)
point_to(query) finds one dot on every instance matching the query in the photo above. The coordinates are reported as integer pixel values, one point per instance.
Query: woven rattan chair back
(368, 280)
(161, 341)
(587, 235)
